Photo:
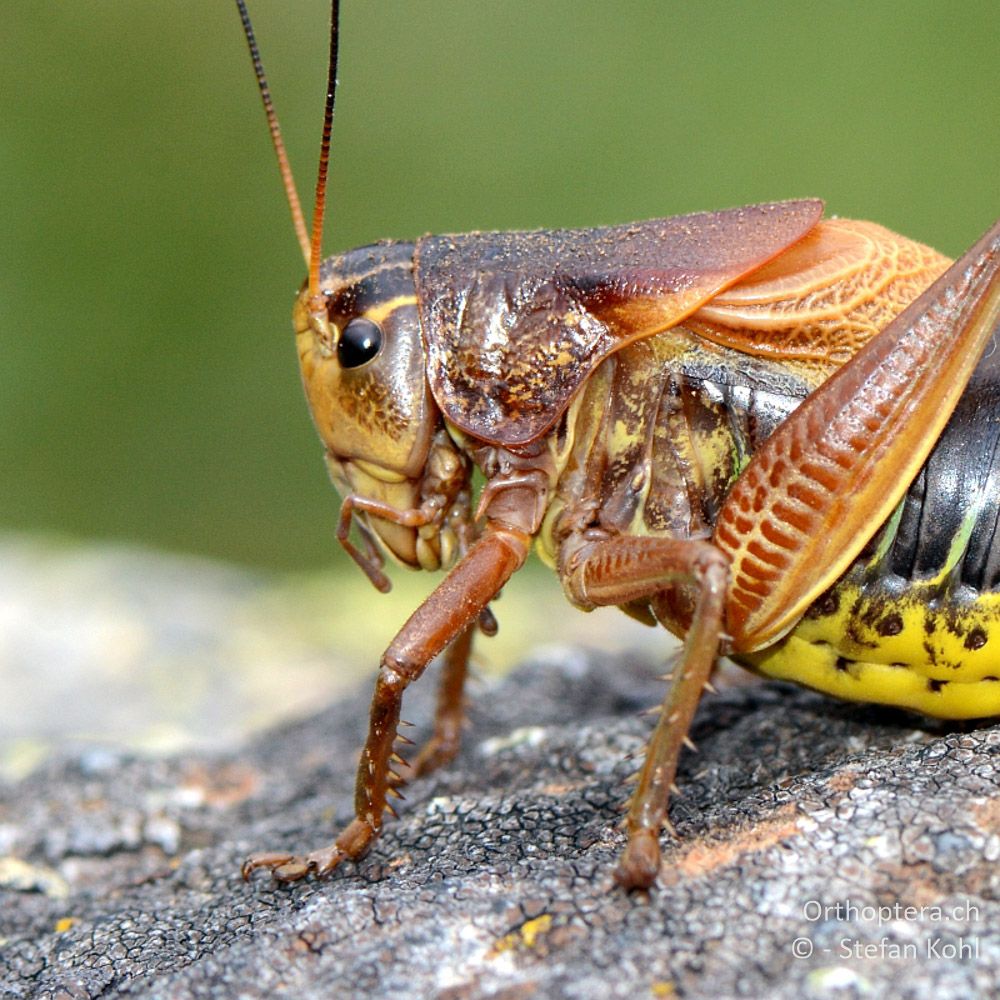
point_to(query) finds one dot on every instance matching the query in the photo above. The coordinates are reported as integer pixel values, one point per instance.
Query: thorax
(659, 434)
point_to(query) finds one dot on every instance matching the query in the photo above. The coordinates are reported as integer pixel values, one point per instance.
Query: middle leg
(625, 568)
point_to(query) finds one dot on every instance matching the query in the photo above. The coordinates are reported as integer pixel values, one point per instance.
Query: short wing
(514, 323)
(825, 298)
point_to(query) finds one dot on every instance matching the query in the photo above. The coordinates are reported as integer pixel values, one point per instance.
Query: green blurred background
(148, 388)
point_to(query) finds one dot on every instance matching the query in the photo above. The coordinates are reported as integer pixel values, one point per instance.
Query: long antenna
(298, 221)
(324, 157)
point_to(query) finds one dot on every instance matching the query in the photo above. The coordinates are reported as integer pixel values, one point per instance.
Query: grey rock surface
(822, 850)
(165, 652)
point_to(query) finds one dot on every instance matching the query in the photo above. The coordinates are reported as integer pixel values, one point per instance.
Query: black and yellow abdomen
(916, 621)
(906, 646)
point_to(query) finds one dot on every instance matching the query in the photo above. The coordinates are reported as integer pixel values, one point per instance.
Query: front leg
(450, 610)
(625, 568)
(449, 715)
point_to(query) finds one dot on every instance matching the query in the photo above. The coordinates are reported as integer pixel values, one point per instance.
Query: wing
(514, 323)
(825, 298)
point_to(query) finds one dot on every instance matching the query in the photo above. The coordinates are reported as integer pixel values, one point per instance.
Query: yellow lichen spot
(525, 936)
(63, 924)
(663, 988)
(532, 929)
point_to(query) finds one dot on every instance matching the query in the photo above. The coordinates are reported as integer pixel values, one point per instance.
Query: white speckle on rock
(531, 736)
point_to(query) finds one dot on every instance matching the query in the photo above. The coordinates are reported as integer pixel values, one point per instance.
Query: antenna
(312, 249)
(324, 160)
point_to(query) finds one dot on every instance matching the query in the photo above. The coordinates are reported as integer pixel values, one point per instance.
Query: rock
(822, 849)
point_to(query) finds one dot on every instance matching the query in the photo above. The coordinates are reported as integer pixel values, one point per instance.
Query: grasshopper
(777, 436)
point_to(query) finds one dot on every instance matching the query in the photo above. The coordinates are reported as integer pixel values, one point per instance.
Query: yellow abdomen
(913, 649)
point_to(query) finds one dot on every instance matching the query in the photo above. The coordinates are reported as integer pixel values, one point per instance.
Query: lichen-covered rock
(823, 850)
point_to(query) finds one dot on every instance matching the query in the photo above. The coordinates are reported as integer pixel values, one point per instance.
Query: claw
(293, 871)
(284, 867)
(264, 859)
(287, 867)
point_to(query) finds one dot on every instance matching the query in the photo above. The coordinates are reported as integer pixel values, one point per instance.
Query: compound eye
(359, 342)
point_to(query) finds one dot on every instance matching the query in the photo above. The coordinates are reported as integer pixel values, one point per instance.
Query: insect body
(724, 423)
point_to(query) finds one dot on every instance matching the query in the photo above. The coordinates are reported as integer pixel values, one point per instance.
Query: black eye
(359, 343)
